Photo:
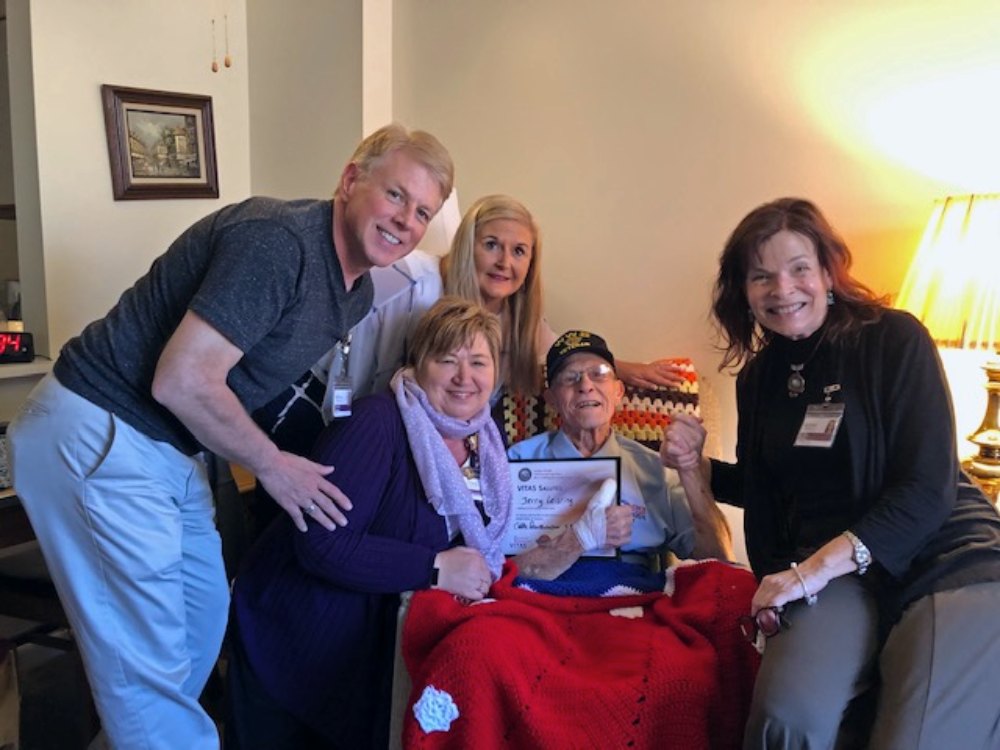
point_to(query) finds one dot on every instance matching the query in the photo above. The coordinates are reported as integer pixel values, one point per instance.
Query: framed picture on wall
(161, 144)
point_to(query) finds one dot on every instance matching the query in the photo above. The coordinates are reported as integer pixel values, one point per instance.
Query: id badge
(342, 394)
(820, 425)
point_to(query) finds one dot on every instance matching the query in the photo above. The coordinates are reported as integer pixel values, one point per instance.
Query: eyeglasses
(598, 374)
(769, 621)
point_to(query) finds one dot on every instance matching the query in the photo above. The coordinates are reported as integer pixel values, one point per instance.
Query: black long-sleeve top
(905, 495)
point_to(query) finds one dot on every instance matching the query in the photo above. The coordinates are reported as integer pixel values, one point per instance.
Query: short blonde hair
(523, 308)
(451, 323)
(421, 145)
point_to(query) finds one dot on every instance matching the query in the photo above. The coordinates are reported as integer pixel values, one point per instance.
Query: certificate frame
(549, 494)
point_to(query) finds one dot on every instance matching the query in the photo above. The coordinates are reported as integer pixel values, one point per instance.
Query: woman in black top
(879, 563)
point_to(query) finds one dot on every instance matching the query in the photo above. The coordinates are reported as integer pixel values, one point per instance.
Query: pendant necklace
(796, 380)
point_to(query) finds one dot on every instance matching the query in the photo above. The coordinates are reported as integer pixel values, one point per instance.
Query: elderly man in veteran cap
(665, 510)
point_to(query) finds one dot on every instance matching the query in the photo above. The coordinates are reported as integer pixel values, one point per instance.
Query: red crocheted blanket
(530, 670)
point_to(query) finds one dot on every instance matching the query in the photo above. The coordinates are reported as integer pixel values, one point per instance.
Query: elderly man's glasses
(768, 621)
(598, 374)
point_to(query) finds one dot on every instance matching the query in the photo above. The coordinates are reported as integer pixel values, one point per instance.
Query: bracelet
(811, 599)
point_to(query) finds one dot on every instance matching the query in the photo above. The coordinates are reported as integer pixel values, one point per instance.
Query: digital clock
(16, 347)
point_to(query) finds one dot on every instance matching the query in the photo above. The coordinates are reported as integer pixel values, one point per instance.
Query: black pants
(253, 720)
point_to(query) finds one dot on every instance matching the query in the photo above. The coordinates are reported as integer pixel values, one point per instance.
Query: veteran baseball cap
(574, 342)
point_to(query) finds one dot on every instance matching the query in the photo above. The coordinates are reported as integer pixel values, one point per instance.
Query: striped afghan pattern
(641, 416)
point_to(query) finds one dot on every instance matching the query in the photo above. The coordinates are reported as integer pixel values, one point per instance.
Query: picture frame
(161, 144)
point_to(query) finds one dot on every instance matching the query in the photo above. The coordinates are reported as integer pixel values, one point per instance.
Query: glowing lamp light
(953, 287)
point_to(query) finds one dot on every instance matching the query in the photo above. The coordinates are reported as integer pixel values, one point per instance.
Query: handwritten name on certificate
(550, 495)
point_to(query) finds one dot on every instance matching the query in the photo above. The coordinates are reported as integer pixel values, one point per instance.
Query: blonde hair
(522, 311)
(450, 323)
(421, 145)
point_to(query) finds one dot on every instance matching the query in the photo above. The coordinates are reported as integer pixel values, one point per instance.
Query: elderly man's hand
(619, 525)
(591, 528)
(683, 442)
(660, 373)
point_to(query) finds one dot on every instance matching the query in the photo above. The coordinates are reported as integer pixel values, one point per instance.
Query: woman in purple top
(314, 613)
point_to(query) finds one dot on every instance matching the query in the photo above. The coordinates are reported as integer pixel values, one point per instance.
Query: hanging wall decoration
(161, 144)
(227, 61)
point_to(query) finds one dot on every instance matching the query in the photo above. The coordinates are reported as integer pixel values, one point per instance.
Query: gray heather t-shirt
(263, 273)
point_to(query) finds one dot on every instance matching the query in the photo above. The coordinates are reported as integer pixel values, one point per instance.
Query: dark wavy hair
(739, 335)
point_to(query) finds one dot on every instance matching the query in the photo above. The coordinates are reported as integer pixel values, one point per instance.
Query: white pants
(126, 526)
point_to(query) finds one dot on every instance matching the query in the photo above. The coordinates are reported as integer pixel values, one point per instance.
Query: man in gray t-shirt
(107, 450)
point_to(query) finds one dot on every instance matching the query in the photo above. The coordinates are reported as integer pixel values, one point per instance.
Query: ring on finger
(311, 508)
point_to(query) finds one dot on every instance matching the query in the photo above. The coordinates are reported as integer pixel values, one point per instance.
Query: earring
(829, 297)
(750, 313)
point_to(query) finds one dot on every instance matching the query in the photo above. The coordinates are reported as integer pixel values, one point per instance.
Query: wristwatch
(862, 556)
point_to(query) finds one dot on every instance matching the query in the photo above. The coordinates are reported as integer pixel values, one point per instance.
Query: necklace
(796, 380)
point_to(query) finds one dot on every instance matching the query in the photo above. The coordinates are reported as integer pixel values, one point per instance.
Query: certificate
(550, 495)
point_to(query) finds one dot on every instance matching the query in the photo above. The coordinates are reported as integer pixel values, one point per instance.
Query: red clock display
(16, 347)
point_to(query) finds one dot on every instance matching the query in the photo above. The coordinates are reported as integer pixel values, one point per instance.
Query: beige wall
(8, 229)
(95, 247)
(640, 132)
(305, 94)
(88, 247)
(6, 167)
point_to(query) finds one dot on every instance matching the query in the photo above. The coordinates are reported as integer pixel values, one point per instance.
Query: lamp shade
(953, 284)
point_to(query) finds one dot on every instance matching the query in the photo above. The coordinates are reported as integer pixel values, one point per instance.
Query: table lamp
(953, 287)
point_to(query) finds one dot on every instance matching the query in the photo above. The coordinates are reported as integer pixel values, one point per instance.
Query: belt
(649, 560)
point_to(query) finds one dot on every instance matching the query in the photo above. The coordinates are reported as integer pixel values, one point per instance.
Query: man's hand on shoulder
(191, 381)
(301, 488)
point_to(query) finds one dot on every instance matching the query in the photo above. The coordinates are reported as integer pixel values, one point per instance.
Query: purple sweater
(316, 612)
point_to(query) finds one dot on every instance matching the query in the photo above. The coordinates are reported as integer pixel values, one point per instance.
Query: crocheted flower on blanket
(435, 711)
